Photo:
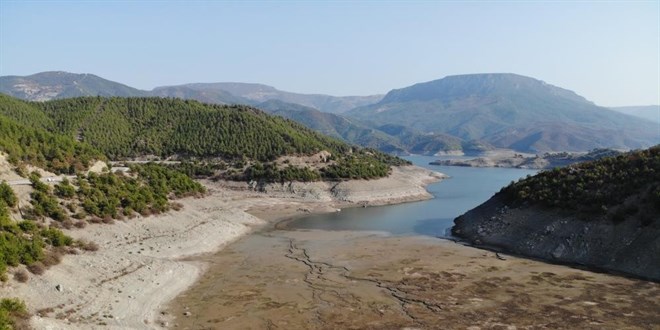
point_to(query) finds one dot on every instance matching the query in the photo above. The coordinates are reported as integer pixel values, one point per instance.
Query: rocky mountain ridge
(51, 85)
(509, 111)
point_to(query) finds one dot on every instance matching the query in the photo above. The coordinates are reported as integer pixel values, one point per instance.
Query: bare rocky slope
(558, 236)
(509, 111)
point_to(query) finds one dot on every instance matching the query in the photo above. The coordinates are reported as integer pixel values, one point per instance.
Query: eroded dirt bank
(350, 280)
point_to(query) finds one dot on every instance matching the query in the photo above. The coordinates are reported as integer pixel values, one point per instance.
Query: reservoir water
(466, 188)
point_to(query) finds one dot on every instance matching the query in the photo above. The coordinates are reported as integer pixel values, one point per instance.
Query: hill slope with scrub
(603, 214)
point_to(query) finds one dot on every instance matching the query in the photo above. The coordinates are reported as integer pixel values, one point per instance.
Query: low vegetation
(620, 187)
(361, 164)
(7, 194)
(12, 311)
(270, 172)
(146, 190)
(115, 195)
(44, 203)
(27, 242)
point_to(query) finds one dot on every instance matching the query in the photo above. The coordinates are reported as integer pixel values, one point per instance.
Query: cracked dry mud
(350, 280)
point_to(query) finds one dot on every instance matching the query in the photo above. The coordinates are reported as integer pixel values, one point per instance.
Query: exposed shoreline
(144, 263)
(511, 159)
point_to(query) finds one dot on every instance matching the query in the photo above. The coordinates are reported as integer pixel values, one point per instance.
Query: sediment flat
(310, 279)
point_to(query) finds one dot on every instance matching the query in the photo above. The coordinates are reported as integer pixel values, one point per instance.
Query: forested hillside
(59, 154)
(38, 244)
(132, 127)
(619, 188)
(123, 128)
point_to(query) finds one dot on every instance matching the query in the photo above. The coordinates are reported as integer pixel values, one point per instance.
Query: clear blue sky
(608, 52)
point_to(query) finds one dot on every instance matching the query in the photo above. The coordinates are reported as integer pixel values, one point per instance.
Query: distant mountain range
(509, 111)
(388, 138)
(334, 125)
(258, 93)
(206, 96)
(458, 113)
(46, 86)
(649, 112)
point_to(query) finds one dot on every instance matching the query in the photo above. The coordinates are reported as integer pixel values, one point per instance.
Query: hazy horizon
(607, 52)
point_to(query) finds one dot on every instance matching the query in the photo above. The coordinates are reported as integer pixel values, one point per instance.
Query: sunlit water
(467, 188)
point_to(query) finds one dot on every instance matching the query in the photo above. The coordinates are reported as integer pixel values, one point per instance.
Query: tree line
(622, 187)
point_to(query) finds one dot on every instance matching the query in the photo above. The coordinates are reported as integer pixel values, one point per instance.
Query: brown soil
(349, 280)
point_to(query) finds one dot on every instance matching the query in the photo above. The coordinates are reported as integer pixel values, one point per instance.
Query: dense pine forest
(59, 154)
(126, 128)
(615, 188)
(133, 127)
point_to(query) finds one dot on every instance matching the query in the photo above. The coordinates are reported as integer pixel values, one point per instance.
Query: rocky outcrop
(629, 247)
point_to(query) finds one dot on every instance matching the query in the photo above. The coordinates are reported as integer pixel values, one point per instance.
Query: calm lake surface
(466, 188)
